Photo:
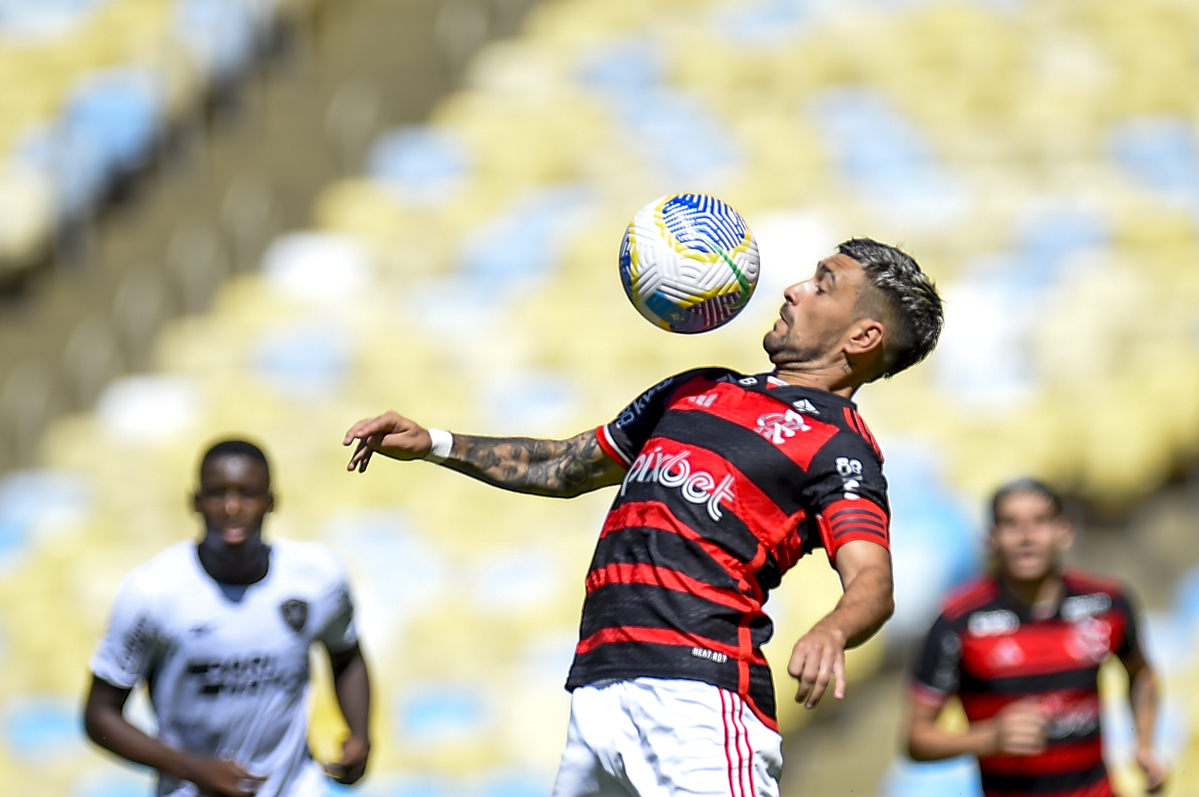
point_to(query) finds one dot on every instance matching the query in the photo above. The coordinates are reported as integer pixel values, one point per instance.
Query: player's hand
(217, 777)
(391, 434)
(817, 658)
(352, 766)
(1020, 728)
(1155, 771)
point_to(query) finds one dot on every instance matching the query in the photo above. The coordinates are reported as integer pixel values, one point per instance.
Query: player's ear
(1065, 538)
(991, 549)
(865, 336)
(270, 501)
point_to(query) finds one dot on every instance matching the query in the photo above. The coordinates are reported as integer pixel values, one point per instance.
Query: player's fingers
(358, 430)
(824, 674)
(1155, 774)
(350, 774)
(359, 457)
(247, 784)
(808, 677)
(804, 684)
(840, 682)
(369, 426)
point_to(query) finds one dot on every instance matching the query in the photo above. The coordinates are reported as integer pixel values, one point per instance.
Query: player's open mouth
(235, 535)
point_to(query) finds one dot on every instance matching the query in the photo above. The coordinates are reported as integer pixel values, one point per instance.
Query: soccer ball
(688, 263)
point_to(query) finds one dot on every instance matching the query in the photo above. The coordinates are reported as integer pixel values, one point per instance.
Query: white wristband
(443, 441)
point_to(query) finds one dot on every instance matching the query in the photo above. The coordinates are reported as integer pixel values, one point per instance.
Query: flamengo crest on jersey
(730, 480)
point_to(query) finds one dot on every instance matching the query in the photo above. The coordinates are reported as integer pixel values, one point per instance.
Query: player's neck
(247, 564)
(834, 379)
(1041, 596)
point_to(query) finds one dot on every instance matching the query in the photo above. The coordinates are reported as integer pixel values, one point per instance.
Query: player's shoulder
(708, 374)
(156, 581)
(1079, 581)
(972, 595)
(167, 568)
(307, 560)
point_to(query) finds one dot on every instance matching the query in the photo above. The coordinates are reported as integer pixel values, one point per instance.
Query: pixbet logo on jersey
(674, 471)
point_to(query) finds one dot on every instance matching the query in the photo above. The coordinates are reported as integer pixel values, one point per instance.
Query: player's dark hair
(1030, 486)
(911, 305)
(234, 448)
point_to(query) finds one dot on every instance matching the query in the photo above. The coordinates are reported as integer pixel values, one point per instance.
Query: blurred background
(272, 218)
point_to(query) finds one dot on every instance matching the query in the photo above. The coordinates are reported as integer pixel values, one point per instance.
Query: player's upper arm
(857, 556)
(336, 606)
(131, 642)
(103, 696)
(937, 673)
(1129, 647)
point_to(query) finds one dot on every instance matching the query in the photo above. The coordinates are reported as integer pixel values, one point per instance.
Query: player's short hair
(234, 448)
(910, 305)
(1029, 486)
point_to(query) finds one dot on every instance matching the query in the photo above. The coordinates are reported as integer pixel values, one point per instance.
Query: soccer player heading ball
(725, 480)
(1021, 646)
(220, 633)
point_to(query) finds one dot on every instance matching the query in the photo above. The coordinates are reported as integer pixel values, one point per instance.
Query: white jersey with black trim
(227, 668)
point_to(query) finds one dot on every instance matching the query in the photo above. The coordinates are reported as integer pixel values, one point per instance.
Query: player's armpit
(561, 468)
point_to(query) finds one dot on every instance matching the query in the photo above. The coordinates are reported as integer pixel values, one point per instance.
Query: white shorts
(660, 738)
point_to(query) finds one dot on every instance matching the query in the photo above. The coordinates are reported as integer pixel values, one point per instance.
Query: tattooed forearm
(543, 467)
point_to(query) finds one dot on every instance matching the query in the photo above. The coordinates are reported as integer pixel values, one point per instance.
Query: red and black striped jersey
(990, 651)
(730, 480)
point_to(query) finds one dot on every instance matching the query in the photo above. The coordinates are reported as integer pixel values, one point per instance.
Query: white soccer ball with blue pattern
(688, 263)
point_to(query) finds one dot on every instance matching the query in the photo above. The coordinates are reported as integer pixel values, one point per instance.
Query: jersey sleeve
(847, 492)
(340, 632)
(937, 673)
(623, 438)
(1130, 641)
(132, 642)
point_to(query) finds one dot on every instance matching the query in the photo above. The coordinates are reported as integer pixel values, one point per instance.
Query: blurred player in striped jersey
(726, 480)
(1021, 647)
(220, 632)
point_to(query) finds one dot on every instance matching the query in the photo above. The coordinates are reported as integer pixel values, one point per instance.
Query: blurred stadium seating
(1040, 157)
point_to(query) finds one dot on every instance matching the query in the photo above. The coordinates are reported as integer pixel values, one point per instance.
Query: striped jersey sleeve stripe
(857, 512)
(839, 532)
(846, 520)
(604, 438)
(926, 694)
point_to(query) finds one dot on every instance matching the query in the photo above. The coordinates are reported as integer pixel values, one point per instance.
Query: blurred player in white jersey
(220, 632)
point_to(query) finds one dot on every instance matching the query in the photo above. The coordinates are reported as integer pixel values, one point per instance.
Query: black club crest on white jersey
(295, 613)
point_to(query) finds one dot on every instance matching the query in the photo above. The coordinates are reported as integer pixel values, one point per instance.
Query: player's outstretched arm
(1143, 695)
(105, 723)
(352, 686)
(1018, 729)
(562, 468)
(819, 655)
